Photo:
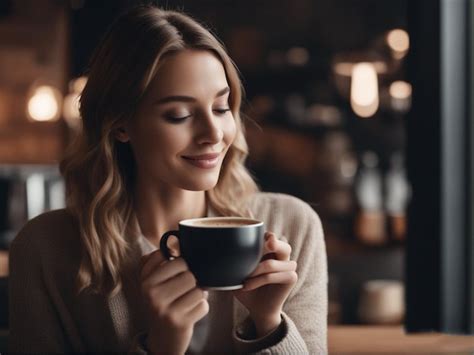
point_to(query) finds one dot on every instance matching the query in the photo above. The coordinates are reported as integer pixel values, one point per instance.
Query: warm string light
(71, 107)
(357, 75)
(364, 90)
(399, 42)
(346, 68)
(44, 104)
(400, 95)
(400, 90)
(71, 101)
(78, 84)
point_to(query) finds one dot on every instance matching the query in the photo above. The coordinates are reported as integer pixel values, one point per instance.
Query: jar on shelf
(398, 192)
(370, 219)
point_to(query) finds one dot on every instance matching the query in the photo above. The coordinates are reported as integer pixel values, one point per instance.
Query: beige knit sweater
(47, 316)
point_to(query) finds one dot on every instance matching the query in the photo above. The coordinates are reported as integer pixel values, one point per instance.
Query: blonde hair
(99, 170)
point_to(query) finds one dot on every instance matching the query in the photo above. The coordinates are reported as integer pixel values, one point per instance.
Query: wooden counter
(392, 339)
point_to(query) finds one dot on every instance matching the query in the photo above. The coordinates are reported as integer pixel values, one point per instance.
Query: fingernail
(206, 294)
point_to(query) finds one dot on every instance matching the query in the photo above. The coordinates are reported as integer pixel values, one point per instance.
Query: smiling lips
(204, 161)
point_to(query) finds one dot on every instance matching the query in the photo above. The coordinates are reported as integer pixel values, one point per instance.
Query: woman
(162, 141)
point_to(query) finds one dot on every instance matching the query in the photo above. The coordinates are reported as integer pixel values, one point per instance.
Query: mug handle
(164, 243)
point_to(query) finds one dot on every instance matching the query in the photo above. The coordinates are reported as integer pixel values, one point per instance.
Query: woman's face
(184, 114)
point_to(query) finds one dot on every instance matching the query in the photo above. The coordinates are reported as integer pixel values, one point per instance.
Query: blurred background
(326, 100)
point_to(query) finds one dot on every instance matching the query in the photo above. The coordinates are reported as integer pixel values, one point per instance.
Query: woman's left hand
(267, 288)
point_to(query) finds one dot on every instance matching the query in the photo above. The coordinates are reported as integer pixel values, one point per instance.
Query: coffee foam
(221, 222)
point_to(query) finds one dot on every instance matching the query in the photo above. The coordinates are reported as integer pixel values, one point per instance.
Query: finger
(150, 262)
(173, 246)
(286, 277)
(144, 258)
(163, 272)
(269, 234)
(273, 265)
(280, 248)
(177, 286)
(189, 300)
(198, 312)
(268, 256)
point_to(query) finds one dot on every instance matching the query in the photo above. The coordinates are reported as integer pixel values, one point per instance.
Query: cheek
(230, 131)
(155, 140)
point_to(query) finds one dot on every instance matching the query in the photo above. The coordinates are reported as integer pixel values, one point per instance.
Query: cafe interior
(333, 116)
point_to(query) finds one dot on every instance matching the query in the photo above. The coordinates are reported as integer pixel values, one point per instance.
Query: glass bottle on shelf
(370, 219)
(398, 194)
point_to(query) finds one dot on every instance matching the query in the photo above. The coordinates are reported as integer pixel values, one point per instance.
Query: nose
(209, 129)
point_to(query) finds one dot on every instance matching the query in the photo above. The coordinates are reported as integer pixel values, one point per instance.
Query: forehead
(191, 72)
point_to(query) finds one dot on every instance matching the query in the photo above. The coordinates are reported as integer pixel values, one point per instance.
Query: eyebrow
(167, 99)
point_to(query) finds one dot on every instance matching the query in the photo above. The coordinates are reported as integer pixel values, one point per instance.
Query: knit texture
(46, 314)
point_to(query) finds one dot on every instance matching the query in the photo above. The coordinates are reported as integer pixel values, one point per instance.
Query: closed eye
(173, 119)
(222, 111)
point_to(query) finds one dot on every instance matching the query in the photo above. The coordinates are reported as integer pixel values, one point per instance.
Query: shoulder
(280, 204)
(46, 254)
(285, 213)
(49, 232)
(277, 197)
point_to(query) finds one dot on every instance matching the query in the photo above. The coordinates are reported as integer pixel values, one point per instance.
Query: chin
(203, 185)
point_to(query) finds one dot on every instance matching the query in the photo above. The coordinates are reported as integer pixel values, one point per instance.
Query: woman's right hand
(173, 299)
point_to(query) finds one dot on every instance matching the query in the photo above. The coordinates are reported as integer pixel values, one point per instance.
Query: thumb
(144, 259)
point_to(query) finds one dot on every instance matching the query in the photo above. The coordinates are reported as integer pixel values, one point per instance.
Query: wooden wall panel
(34, 47)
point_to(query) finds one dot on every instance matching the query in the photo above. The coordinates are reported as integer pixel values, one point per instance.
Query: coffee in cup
(221, 252)
(222, 222)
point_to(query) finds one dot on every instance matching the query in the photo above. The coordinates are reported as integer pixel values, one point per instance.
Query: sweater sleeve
(34, 325)
(304, 319)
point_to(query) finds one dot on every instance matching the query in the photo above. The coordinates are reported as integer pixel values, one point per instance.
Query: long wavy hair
(99, 171)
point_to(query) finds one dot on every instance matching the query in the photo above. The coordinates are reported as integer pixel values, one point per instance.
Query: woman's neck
(160, 210)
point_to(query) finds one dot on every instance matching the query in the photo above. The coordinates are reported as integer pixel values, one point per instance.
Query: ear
(122, 135)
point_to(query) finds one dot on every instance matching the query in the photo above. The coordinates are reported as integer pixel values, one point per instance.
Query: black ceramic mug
(220, 251)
